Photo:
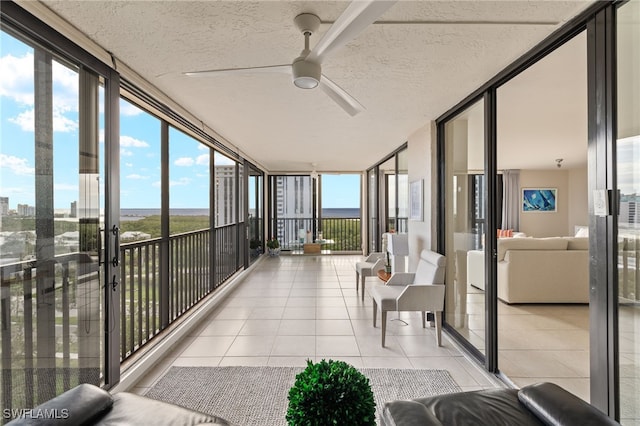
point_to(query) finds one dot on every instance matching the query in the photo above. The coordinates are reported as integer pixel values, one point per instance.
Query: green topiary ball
(331, 393)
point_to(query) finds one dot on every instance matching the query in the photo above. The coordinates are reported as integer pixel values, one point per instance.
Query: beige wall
(571, 202)
(422, 165)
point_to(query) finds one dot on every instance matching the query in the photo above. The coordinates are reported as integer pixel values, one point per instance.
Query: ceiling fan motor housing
(306, 74)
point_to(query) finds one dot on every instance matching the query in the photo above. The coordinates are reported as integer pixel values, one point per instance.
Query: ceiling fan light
(306, 75)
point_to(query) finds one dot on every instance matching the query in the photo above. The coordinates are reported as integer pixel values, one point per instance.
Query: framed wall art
(539, 200)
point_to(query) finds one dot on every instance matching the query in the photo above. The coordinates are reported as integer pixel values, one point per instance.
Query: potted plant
(256, 245)
(331, 393)
(274, 246)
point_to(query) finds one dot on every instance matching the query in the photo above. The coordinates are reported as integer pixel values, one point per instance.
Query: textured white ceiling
(422, 59)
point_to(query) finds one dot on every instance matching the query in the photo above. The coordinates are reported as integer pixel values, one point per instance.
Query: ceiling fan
(306, 69)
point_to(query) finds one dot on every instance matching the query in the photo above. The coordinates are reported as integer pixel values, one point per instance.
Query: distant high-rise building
(74, 209)
(294, 204)
(629, 213)
(26, 210)
(225, 212)
(4, 206)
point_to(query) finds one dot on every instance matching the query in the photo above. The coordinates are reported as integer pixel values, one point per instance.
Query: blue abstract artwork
(539, 200)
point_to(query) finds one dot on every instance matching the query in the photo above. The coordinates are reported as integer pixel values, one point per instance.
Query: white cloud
(180, 182)
(203, 147)
(17, 78)
(137, 177)
(222, 160)
(184, 161)
(128, 164)
(26, 121)
(126, 152)
(19, 166)
(203, 160)
(128, 109)
(129, 141)
(17, 84)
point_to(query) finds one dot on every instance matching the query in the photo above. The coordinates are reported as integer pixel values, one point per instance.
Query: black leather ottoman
(539, 404)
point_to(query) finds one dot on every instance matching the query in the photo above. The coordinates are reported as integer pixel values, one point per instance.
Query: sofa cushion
(138, 410)
(553, 243)
(80, 405)
(555, 406)
(487, 407)
(407, 413)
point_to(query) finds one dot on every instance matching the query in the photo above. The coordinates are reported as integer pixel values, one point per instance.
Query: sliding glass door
(628, 176)
(51, 218)
(465, 195)
(255, 213)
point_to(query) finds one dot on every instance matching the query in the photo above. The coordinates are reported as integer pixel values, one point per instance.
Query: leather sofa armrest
(407, 413)
(77, 406)
(556, 406)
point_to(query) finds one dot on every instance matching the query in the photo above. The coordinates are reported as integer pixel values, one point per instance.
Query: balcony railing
(50, 325)
(338, 234)
(189, 280)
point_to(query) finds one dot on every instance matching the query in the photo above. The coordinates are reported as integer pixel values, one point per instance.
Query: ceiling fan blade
(280, 69)
(340, 96)
(355, 18)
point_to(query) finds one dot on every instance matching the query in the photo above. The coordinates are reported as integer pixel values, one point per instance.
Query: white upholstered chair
(370, 267)
(420, 291)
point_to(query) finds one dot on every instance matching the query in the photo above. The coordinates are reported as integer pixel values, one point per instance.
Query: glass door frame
(21, 21)
(599, 22)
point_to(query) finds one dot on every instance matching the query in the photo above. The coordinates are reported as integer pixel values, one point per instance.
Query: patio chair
(369, 268)
(420, 291)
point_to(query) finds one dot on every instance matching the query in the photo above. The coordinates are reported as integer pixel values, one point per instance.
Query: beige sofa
(537, 270)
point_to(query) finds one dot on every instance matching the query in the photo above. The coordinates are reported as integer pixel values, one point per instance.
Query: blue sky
(139, 146)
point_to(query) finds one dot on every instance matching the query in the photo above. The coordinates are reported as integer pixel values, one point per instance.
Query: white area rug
(249, 396)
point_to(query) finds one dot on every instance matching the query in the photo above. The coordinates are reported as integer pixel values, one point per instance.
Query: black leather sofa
(90, 405)
(539, 404)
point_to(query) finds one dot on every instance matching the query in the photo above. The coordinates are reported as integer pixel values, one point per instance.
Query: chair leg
(362, 279)
(375, 312)
(424, 319)
(383, 319)
(357, 280)
(438, 320)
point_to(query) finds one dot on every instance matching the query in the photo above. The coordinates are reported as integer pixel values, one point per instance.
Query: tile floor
(293, 308)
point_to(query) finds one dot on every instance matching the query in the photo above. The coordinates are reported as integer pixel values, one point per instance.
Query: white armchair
(420, 291)
(370, 267)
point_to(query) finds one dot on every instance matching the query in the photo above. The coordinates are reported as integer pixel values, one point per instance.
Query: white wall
(422, 165)
(578, 199)
(571, 203)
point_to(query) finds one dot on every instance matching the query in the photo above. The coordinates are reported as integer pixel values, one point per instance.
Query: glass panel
(188, 174)
(340, 226)
(256, 243)
(403, 191)
(464, 145)
(387, 193)
(293, 208)
(373, 210)
(628, 155)
(140, 191)
(551, 338)
(140, 214)
(224, 192)
(226, 205)
(50, 211)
